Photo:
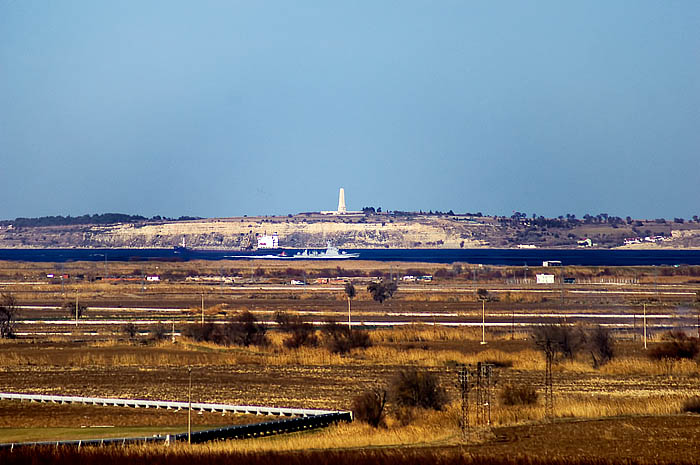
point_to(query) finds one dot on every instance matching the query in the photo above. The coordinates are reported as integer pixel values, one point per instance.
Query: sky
(231, 108)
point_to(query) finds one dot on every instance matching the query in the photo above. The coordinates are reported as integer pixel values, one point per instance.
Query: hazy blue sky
(268, 107)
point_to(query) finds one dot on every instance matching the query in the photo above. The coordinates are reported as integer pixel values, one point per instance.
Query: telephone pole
(189, 410)
(483, 321)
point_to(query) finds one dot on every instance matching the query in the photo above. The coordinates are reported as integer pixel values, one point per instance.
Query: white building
(268, 242)
(545, 278)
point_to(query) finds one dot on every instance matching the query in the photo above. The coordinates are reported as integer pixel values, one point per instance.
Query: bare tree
(369, 407)
(8, 314)
(69, 307)
(559, 339)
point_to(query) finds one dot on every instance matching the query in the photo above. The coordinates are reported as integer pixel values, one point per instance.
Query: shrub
(523, 394)
(243, 330)
(676, 345)
(159, 332)
(8, 315)
(302, 333)
(691, 405)
(369, 407)
(69, 307)
(130, 330)
(200, 333)
(341, 340)
(559, 339)
(413, 388)
(383, 290)
(601, 346)
(283, 320)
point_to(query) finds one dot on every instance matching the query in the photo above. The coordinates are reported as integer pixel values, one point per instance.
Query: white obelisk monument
(341, 202)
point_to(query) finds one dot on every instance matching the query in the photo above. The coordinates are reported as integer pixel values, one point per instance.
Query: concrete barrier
(303, 419)
(139, 403)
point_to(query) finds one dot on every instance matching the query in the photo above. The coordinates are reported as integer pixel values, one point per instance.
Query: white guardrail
(170, 405)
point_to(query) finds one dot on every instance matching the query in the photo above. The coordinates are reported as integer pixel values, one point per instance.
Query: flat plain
(630, 408)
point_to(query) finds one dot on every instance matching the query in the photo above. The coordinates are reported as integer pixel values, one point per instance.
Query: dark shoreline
(508, 257)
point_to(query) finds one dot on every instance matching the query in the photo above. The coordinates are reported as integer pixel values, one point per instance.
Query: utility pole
(202, 309)
(645, 326)
(483, 321)
(76, 308)
(189, 410)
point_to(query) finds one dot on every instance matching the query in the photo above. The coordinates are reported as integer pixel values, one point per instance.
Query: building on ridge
(342, 209)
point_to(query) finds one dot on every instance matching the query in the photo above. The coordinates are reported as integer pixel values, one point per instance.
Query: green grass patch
(8, 435)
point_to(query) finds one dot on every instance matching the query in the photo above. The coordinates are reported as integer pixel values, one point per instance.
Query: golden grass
(382, 353)
(440, 428)
(436, 333)
(607, 406)
(645, 366)
(424, 333)
(429, 428)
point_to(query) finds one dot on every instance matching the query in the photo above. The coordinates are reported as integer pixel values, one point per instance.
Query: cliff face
(238, 233)
(351, 231)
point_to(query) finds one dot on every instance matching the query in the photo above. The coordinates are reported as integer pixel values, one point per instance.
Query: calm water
(517, 257)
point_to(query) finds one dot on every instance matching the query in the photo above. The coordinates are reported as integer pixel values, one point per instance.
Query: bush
(691, 405)
(413, 388)
(243, 330)
(341, 340)
(559, 339)
(383, 290)
(200, 333)
(8, 315)
(69, 307)
(676, 345)
(601, 346)
(369, 407)
(302, 333)
(524, 394)
(160, 332)
(130, 330)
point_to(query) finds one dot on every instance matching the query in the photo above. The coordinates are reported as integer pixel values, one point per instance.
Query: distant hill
(103, 218)
(361, 230)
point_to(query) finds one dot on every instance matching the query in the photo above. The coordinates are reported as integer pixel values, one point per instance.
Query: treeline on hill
(101, 218)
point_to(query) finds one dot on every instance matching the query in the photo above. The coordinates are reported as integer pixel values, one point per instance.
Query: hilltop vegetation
(98, 218)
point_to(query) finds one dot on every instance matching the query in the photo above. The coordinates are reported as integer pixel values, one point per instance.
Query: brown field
(628, 409)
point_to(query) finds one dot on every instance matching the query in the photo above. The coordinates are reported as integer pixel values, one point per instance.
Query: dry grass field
(629, 409)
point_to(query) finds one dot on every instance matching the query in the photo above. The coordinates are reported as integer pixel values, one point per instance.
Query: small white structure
(153, 278)
(545, 278)
(551, 263)
(341, 202)
(268, 242)
(342, 209)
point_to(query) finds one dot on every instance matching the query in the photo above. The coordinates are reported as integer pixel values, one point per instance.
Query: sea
(512, 257)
